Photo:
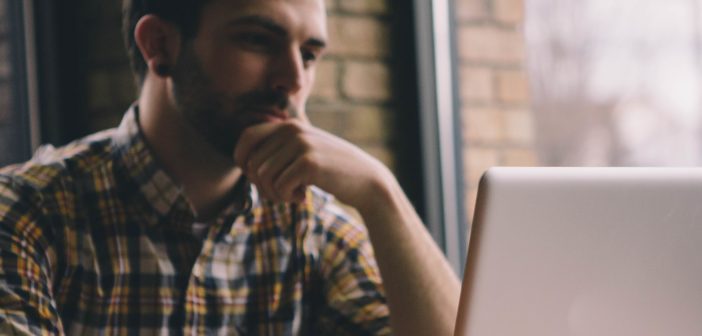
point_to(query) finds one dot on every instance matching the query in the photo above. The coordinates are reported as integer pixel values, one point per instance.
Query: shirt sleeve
(26, 303)
(356, 301)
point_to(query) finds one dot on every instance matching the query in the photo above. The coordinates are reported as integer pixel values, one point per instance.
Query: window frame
(24, 93)
(440, 121)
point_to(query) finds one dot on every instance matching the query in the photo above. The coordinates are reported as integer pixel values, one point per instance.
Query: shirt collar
(162, 193)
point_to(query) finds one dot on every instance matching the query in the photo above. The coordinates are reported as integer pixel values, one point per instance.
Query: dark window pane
(14, 130)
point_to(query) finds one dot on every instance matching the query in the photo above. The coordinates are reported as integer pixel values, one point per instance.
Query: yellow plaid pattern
(96, 239)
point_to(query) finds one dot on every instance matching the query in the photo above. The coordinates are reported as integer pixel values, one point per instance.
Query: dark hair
(184, 14)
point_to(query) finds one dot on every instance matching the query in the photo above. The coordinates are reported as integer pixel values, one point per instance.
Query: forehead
(306, 17)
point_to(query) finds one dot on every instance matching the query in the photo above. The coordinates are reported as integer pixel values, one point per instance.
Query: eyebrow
(274, 27)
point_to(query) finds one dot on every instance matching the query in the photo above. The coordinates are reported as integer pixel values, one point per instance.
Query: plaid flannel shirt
(96, 239)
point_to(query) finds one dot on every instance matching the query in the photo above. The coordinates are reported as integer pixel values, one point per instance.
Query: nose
(287, 72)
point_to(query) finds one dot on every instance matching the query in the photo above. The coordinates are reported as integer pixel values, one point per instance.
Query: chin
(223, 142)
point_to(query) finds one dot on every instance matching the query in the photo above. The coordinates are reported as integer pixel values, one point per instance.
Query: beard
(219, 117)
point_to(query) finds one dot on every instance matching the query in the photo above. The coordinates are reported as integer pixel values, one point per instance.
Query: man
(203, 212)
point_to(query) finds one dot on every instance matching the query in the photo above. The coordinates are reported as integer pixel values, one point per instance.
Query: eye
(254, 40)
(309, 57)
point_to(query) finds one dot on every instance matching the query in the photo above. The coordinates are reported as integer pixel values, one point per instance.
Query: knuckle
(299, 124)
(306, 144)
(295, 127)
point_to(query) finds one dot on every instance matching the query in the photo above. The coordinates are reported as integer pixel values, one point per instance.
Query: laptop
(585, 251)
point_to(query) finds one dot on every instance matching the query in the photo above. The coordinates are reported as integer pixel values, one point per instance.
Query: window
(440, 133)
(17, 122)
(616, 82)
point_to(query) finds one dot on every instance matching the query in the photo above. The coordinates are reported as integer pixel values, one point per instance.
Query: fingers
(283, 158)
(292, 182)
(265, 151)
(250, 139)
(265, 173)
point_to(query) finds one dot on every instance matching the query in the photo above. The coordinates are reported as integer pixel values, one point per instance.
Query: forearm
(422, 289)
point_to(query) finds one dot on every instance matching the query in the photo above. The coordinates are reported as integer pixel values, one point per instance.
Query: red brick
(471, 10)
(491, 45)
(364, 6)
(513, 86)
(368, 125)
(509, 11)
(476, 84)
(519, 157)
(482, 126)
(326, 84)
(358, 37)
(325, 116)
(367, 81)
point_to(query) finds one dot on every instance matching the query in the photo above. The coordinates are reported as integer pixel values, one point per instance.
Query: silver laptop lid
(585, 251)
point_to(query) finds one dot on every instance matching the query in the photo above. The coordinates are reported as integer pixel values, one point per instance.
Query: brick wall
(351, 98)
(353, 95)
(498, 127)
(109, 83)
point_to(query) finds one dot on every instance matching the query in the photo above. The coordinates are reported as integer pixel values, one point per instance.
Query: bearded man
(209, 209)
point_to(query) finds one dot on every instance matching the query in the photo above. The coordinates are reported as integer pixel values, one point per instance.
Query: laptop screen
(585, 251)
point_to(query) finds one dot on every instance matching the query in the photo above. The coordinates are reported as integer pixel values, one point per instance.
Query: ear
(159, 43)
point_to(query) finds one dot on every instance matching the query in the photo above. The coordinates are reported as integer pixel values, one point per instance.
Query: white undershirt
(200, 230)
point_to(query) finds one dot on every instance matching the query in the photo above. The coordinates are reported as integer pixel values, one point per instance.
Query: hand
(282, 158)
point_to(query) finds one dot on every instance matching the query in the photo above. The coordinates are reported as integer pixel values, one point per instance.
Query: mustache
(264, 98)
